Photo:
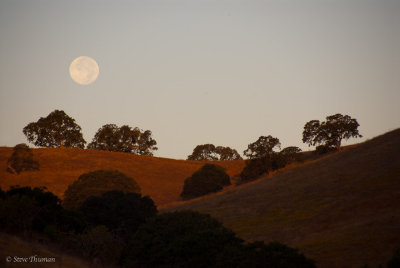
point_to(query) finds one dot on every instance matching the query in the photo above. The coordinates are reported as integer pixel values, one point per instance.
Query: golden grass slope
(342, 210)
(160, 178)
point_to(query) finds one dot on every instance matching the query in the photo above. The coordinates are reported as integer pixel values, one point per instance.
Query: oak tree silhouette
(262, 147)
(56, 130)
(331, 132)
(125, 139)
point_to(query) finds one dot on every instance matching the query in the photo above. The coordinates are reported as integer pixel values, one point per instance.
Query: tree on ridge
(262, 147)
(125, 139)
(56, 130)
(331, 132)
(212, 153)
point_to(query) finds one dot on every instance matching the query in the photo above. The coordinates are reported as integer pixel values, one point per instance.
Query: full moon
(84, 70)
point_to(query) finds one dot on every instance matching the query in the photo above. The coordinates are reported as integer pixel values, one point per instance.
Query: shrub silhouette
(115, 209)
(192, 239)
(291, 154)
(257, 167)
(26, 209)
(324, 149)
(209, 178)
(18, 213)
(21, 159)
(100, 245)
(178, 239)
(96, 183)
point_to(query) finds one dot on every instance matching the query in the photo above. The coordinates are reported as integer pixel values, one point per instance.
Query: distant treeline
(60, 130)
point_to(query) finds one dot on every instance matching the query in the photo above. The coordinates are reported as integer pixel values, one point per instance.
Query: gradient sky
(195, 72)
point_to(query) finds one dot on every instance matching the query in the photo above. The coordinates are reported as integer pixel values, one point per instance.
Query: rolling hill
(160, 178)
(342, 210)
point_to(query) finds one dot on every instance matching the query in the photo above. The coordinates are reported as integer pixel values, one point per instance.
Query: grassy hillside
(160, 178)
(11, 246)
(342, 210)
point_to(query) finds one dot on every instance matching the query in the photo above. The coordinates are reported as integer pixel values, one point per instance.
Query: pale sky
(195, 72)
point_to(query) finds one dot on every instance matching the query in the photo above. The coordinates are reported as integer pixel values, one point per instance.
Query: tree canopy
(192, 239)
(209, 178)
(212, 153)
(125, 139)
(55, 130)
(96, 183)
(116, 209)
(21, 159)
(27, 209)
(331, 132)
(178, 239)
(290, 153)
(227, 153)
(259, 166)
(262, 147)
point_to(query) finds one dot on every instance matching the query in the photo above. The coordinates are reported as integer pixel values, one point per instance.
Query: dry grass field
(342, 210)
(160, 178)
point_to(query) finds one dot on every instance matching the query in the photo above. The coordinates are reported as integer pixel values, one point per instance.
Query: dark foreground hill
(16, 252)
(160, 178)
(342, 210)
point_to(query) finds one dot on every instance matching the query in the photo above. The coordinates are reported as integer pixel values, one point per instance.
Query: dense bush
(116, 209)
(324, 149)
(99, 245)
(21, 159)
(257, 167)
(209, 178)
(96, 183)
(25, 209)
(178, 239)
(191, 239)
(125, 231)
(291, 154)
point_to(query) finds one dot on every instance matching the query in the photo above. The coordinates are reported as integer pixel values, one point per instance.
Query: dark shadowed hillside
(13, 247)
(342, 210)
(161, 178)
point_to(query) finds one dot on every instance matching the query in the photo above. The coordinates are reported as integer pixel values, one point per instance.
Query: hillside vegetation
(160, 178)
(342, 210)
